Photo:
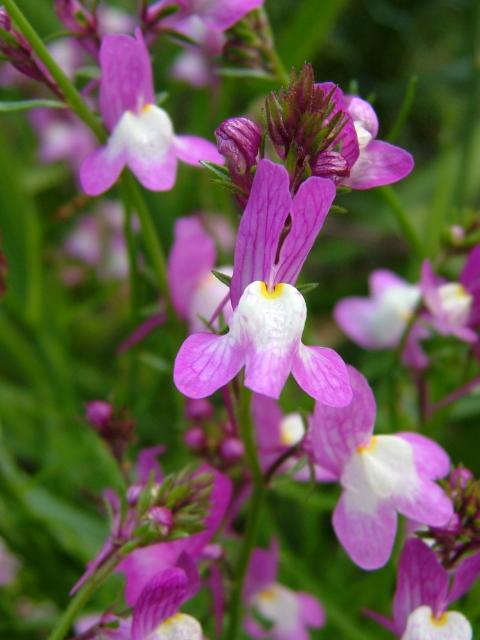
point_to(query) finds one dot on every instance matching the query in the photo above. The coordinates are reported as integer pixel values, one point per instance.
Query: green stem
(72, 96)
(82, 597)
(271, 51)
(152, 244)
(409, 232)
(132, 257)
(256, 503)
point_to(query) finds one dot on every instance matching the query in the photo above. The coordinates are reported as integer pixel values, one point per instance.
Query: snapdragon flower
(141, 134)
(196, 292)
(454, 307)
(423, 595)
(380, 476)
(269, 312)
(289, 614)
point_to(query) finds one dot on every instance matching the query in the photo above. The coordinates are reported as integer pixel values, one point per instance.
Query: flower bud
(198, 409)
(232, 449)
(459, 478)
(238, 140)
(194, 438)
(81, 22)
(98, 413)
(162, 517)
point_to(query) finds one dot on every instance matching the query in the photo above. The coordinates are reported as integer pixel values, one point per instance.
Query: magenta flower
(269, 312)
(379, 162)
(380, 476)
(289, 614)
(142, 565)
(378, 322)
(196, 292)
(423, 596)
(141, 134)
(454, 307)
(219, 15)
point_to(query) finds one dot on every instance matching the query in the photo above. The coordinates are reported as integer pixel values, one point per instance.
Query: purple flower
(290, 614)
(142, 565)
(98, 413)
(219, 15)
(423, 596)
(141, 134)
(269, 312)
(380, 476)
(196, 292)
(379, 163)
(454, 307)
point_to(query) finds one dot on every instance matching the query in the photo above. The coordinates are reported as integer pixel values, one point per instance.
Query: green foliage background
(57, 346)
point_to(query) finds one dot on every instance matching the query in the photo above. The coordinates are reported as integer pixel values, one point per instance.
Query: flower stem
(72, 96)
(256, 503)
(82, 596)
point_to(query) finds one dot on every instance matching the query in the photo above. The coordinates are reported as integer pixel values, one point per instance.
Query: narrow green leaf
(227, 280)
(234, 72)
(24, 105)
(307, 287)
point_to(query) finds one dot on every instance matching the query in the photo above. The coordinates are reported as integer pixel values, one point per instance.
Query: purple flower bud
(238, 140)
(74, 16)
(198, 409)
(98, 413)
(232, 449)
(194, 438)
(460, 477)
(163, 517)
(133, 493)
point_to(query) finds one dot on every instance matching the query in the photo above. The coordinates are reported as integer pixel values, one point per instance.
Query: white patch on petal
(179, 627)
(451, 625)
(207, 296)
(394, 310)
(382, 469)
(147, 135)
(278, 605)
(292, 429)
(456, 303)
(272, 321)
(364, 136)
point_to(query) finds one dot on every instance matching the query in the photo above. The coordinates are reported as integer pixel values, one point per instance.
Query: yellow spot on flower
(368, 448)
(147, 107)
(267, 594)
(441, 621)
(275, 293)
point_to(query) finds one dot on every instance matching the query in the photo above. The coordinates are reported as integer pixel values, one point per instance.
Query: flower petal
(429, 504)
(262, 570)
(431, 460)
(362, 111)
(192, 149)
(311, 611)
(381, 280)
(192, 258)
(337, 432)
(451, 626)
(267, 416)
(223, 14)
(154, 173)
(356, 317)
(367, 537)
(309, 209)
(126, 82)
(470, 278)
(322, 374)
(205, 363)
(101, 169)
(466, 574)
(260, 227)
(379, 163)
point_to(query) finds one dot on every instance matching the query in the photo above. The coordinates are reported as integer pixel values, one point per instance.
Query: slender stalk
(256, 503)
(132, 258)
(409, 232)
(455, 395)
(271, 51)
(72, 96)
(152, 244)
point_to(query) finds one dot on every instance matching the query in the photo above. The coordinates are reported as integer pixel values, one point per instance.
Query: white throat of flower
(395, 308)
(278, 605)
(381, 469)
(292, 429)
(146, 134)
(178, 627)
(456, 303)
(423, 625)
(363, 135)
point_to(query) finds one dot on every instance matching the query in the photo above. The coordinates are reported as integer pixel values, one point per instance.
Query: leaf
(217, 169)
(227, 280)
(307, 287)
(235, 72)
(24, 105)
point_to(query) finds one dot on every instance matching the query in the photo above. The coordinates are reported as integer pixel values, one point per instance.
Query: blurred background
(61, 320)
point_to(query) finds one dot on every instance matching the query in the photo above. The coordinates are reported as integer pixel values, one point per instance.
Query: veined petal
(429, 504)
(337, 432)
(322, 374)
(192, 150)
(465, 576)
(126, 82)
(192, 258)
(101, 169)
(205, 363)
(421, 581)
(260, 227)
(367, 536)
(379, 163)
(309, 209)
(423, 625)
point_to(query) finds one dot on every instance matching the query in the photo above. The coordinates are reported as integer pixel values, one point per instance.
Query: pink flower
(380, 476)
(423, 596)
(141, 134)
(269, 312)
(289, 614)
